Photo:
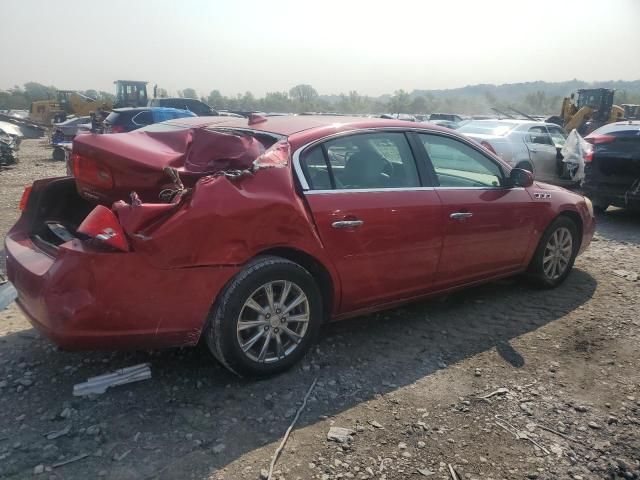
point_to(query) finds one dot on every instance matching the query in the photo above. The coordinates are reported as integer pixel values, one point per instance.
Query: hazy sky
(373, 47)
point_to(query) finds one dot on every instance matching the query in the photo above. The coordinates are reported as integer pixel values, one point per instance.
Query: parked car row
(533, 146)
(251, 233)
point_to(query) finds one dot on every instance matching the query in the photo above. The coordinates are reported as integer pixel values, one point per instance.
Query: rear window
(496, 128)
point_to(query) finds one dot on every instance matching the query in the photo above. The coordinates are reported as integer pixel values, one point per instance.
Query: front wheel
(556, 252)
(266, 318)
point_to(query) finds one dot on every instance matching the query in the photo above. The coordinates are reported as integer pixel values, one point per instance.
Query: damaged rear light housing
(102, 225)
(25, 198)
(87, 170)
(599, 139)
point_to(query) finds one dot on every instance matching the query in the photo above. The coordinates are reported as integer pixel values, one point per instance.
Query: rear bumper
(618, 196)
(84, 300)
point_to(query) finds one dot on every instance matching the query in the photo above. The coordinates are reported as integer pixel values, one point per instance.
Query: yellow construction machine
(129, 93)
(589, 109)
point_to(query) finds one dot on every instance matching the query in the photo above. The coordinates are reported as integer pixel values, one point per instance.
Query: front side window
(558, 136)
(539, 135)
(457, 165)
(362, 161)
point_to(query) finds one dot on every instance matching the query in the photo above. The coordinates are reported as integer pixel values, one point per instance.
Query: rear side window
(457, 165)
(362, 161)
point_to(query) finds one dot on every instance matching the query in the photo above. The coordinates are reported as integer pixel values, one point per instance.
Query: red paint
(183, 253)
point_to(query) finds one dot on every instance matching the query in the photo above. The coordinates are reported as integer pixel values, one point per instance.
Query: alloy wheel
(557, 253)
(273, 321)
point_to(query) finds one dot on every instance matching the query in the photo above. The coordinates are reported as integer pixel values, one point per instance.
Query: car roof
(288, 125)
(513, 121)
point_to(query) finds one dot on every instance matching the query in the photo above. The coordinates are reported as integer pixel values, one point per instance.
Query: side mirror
(520, 177)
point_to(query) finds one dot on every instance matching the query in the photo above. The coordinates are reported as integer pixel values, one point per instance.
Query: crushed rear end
(95, 272)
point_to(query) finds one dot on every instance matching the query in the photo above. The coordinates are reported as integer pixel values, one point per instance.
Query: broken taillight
(102, 225)
(87, 170)
(599, 139)
(25, 198)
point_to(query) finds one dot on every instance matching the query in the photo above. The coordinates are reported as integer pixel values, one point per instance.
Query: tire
(58, 154)
(224, 338)
(541, 276)
(599, 206)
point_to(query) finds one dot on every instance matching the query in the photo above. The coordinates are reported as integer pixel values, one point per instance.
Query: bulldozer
(587, 110)
(129, 93)
(67, 102)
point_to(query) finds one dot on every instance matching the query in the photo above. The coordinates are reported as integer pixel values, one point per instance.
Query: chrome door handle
(533, 150)
(347, 223)
(460, 215)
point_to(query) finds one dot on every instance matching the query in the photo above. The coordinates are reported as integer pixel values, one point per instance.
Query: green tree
(276, 102)
(399, 102)
(189, 93)
(304, 95)
(419, 105)
(34, 91)
(216, 100)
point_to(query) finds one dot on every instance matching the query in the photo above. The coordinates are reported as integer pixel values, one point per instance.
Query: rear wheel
(266, 318)
(556, 252)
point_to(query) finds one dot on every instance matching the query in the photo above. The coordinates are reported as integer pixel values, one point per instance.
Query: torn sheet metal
(100, 384)
(573, 153)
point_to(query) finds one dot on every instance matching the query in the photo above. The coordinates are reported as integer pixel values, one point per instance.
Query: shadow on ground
(193, 417)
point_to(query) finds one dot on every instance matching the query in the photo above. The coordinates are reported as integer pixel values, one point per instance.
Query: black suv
(201, 109)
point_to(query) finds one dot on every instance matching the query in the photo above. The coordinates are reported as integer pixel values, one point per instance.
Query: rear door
(543, 154)
(488, 227)
(380, 223)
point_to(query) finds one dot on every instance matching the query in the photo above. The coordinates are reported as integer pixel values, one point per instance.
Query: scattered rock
(340, 434)
(375, 424)
(38, 469)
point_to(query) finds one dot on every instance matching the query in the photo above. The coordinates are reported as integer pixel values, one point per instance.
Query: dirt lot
(558, 371)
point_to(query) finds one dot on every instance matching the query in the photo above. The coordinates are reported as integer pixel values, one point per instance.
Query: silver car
(534, 146)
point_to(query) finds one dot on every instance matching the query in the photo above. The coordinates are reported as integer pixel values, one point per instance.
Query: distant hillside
(543, 98)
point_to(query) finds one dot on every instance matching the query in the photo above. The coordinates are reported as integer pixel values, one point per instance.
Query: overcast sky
(373, 47)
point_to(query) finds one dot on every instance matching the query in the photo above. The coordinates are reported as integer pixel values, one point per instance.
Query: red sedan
(252, 233)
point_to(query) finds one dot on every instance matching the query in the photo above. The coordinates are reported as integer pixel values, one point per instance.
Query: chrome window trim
(369, 190)
(404, 189)
(305, 185)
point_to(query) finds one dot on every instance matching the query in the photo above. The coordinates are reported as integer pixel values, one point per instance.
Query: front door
(487, 226)
(380, 224)
(544, 155)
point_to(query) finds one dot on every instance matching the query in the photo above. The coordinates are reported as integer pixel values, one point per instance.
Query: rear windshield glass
(488, 128)
(167, 126)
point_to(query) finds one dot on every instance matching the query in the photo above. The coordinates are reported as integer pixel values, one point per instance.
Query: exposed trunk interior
(56, 211)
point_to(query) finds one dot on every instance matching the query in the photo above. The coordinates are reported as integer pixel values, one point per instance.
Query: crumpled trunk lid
(109, 167)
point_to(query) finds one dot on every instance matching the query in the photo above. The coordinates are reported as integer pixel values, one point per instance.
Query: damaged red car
(250, 233)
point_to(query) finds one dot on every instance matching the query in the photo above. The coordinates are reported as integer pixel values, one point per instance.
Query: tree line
(305, 98)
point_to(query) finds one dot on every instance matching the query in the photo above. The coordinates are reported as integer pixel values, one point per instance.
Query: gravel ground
(497, 382)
